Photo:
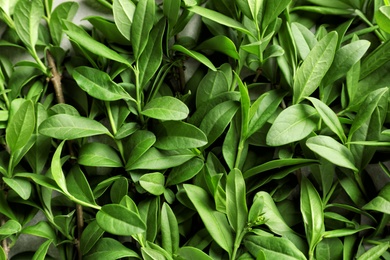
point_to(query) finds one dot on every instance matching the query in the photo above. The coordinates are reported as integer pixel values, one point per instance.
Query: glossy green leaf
(329, 117)
(380, 203)
(109, 248)
(292, 124)
(236, 208)
(324, 10)
(329, 249)
(98, 84)
(82, 38)
(166, 108)
(382, 17)
(217, 119)
(155, 159)
(66, 11)
(305, 40)
(41, 229)
(179, 135)
(78, 186)
(99, 155)
(139, 143)
(272, 9)
(142, 25)
(184, 172)
(344, 59)
(123, 11)
(21, 126)
(109, 29)
(153, 183)
(195, 55)
(332, 150)
(215, 221)
(273, 247)
(68, 127)
(312, 213)
(344, 232)
(310, 74)
(41, 253)
(90, 236)
(21, 186)
(171, 9)
(119, 220)
(169, 230)
(375, 252)
(191, 253)
(56, 169)
(27, 16)
(219, 18)
(150, 60)
(375, 59)
(221, 44)
(212, 85)
(152, 254)
(10, 227)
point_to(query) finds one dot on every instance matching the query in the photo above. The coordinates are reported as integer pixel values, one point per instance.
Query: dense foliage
(218, 129)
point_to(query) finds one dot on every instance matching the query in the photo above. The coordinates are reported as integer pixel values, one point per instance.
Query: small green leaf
(375, 252)
(310, 74)
(332, 151)
(99, 155)
(90, 236)
(375, 59)
(41, 229)
(381, 203)
(153, 183)
(20, 126)
(382, 17)
(212, 85)
(139, 143)
(215, 221)
(184, 172)
(68, 127)
(27, 16)
(98, 84)
(171, 9)
(66, 11)
(56, 169)
(305, 40)
(41, 253)
(109, 248)
(119, 220)
(191, 253)
(222, 44)
(195, 55)
(166, 108)
(78, 186)
(272, 9)
(292, 124)
(123, 16)
(169, 230)
(236, 208)
(10, 227)
(21, 186)
(173, 135)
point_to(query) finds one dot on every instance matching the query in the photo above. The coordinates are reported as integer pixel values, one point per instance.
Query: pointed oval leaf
(41, 253)
(292, 124)
(195, 55)
(10, 227)
(123, 16)
(56, 169)
(90, 236)
(310, 74)
(192, 253)
(21, 186)
(78, 186)
(222, 44)
(375, 252)
(27, 16)
(98, 84)
(212, 85)
(68, 127)
(173, 135)
(185, 172)
(109, 248)
(139, 143)
(166, 108)
(41, 229)
(99, 155)
(119, 220)
(382, 17)
(66, 11)
(332, 150)
(169, 230)
(153, 183)
(236, 208)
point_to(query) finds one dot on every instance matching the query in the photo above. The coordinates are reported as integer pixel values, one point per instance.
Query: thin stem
(237, 243)
(80, 227)
(240, 149)
(114, 130)
(55, 78)
(139, 93)
(364, 18)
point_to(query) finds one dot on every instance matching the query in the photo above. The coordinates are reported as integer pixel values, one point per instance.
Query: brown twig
(80, 227)
(4, 243)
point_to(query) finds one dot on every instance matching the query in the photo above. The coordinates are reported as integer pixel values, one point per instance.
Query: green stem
(8, 20)
(139, 93)
(240, 149)
(114, 130)
(364, 18)
(237, 243)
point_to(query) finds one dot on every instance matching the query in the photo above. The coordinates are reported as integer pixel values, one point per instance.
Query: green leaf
(236, 208)
(329, 117)
(173, 135)
(272, 9)
(154, 159)
(375, 252)
(217, 119)
(82, 38)
(219, 18)
(212, 85)
(98, 84)
(381, 203)
(191, 253)
(27, 16)
(332, 151)
(166, 108)
(41, 229)
(149, 210)
(21, 186)
(153, 183)
(140, 142)
(90, 236)
(99, 155)
(329, 249)
(56, 169)
(108, 29)
(41, 253)
(292, 124)
(10, 227)
(109, 248)
(64, 11)
(215, 221)
(21, 126)
(119, 189)
(305, 40)
(169, 230)
(142, 25)
(273, 247)
(382, 17)
(344, 59)
(171, 9)
(310, 74)
(313, 213)
(123, 16)
(184, 172)
(344, 231)
(375, 59)
(119, 220)
(222, 44)
(68, 127)
(78, 186)
(150, 60)
(195, 55)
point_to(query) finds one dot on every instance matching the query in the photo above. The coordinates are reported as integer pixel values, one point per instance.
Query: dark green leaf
(212, 85)
(66, 11)
(153, 183)
(99, 155)
(184, 172)
(305, 40)
(109, 248)
(169, 230)
(375, 59)
(195, 55)
(139, 142)
(41, 229)
(381, 203)
(236, 208)
(272, 9)
(78, 186)
(90, 236)
(222, 44)
(166, 108)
